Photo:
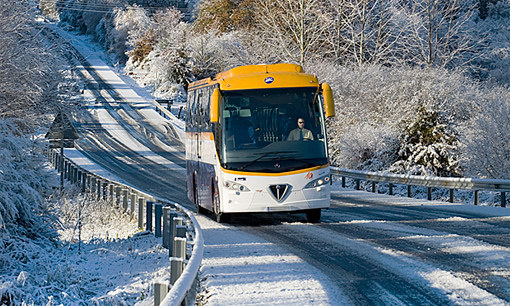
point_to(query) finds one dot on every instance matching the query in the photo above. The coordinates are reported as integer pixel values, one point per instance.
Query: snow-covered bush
(22, 178)
(384, 115)
(52, 272)
(118, 31)
(429, 144)
(486, 139)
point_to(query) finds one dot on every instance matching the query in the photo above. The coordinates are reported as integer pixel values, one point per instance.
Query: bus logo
(269, 80)
(279, 191)
(309, 176)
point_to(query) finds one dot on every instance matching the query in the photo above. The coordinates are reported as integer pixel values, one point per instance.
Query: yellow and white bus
(256, 142)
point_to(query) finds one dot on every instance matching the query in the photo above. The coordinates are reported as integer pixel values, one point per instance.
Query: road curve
(379, 250)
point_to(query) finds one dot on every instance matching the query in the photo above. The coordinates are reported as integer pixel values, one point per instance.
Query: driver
(300, 133)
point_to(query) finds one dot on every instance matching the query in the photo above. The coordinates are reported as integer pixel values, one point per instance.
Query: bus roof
(261, 76)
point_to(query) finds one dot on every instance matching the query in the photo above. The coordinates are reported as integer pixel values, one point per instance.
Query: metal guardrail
(450, 183)
(165, 111)
(162, 217)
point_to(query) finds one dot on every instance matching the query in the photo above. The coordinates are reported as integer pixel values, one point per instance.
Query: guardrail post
(174, 222)
(55, 160)
(84, 178)
(374, 186)
(158, 211)
(75, 175)
(409, 191)
(69, 171)
(343, 181)
(66, 166)
(105, 191)
(452, 191)
(503, 199)
(179, 248)
(118, 189)
(148, 216)
(79, 174)
(133, 203)
(99, 183)
(72, 177)
(60, 163)
(93, 184)
(64, 169)
(160, 291)
(112, 194)
(429, 193)
(357, 184)
(141, 205)
(125, 199)
(390, 192)
(180, 231)
(175, 269)
(476, 197)
(166, 226)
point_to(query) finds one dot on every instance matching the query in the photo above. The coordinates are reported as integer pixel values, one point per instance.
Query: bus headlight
(318, 182)
(236, 186)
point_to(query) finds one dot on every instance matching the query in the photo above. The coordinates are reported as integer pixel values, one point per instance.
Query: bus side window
(190, 111)
(200, 110)
(206, 105)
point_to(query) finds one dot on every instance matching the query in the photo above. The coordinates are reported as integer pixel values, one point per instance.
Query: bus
(256, 142)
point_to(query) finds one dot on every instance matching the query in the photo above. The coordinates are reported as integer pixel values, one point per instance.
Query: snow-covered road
(369, 249)
(238, 268)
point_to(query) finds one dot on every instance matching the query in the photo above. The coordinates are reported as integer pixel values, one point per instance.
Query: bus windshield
(272, 130)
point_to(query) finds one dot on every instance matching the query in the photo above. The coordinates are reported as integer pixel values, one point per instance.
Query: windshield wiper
(263, 155)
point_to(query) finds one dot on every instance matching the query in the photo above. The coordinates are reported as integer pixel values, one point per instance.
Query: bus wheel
(200, 209)
(220, 217)
(313, 215)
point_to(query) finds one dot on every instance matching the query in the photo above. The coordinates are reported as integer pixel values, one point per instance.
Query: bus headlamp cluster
(236, 186)
(318, 182)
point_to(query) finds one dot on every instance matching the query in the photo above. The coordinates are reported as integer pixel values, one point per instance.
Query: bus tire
(313, 215)
(220, 217)
(200, 209)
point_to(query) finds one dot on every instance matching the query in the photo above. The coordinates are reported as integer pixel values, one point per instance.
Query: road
(378, 250)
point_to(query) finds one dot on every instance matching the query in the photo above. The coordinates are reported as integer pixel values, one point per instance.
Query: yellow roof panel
(262, 76)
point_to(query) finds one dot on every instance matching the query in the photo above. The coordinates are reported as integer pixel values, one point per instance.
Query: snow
(112, 263)
(108, 261)
(246, 270)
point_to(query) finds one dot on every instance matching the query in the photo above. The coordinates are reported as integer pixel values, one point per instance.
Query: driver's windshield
(272, 130)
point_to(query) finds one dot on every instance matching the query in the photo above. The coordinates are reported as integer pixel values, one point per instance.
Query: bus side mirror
(214, 112)
(329, 104)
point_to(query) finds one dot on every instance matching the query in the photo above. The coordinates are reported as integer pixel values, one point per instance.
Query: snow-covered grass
(99, 258)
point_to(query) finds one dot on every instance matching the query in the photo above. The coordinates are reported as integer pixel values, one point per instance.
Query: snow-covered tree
(293, 29)
(442, 33)
(225, 15)
(485, 139)
(119, 32)
(373, 30)
(22, 178)
(29, 71)
(429, 145)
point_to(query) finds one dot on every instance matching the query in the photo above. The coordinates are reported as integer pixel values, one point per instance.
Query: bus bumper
(304, 199)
